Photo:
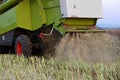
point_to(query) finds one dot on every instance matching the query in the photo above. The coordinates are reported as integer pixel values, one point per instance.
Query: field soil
(91, 47)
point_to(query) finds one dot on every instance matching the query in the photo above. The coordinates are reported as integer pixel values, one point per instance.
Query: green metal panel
(23, 14)
(32, 14)
(52, 8)
(80, 21)
(8, 21)
(53, 14)
(28, 14)
(8, 5)
(38, 14)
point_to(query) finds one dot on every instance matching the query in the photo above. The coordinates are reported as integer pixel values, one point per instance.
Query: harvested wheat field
(79, 56)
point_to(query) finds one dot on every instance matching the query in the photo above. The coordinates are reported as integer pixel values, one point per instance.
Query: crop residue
(93, 47)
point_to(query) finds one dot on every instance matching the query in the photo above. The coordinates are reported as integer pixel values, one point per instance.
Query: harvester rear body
(30, 20)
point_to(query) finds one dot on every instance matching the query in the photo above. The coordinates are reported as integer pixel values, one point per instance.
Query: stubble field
(84, 56)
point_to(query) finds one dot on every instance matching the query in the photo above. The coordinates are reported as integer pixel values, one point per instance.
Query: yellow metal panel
(24, 15)
(80, 21)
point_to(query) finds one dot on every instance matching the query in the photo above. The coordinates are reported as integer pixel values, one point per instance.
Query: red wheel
(23, 46)
(19, 48)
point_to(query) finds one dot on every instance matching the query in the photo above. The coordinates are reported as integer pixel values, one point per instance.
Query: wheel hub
(19, 49)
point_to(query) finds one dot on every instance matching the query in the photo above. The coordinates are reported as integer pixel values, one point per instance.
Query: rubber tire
(26, 45)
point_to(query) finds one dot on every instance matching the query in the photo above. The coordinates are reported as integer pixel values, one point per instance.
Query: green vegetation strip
(37, 68)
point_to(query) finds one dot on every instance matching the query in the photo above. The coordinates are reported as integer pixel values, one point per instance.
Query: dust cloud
(92, 47)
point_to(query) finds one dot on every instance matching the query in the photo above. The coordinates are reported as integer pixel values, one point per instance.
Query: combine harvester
(26, 24)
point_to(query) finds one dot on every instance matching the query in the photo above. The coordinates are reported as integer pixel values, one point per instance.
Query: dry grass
(79, 57)
(35, 68)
